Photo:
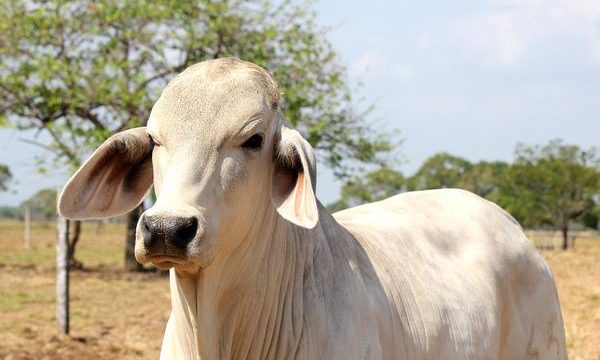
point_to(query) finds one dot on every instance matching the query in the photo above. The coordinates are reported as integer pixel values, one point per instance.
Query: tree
(441, 170)
(42, 204)
(592, 219)
(82, 70)
(5, 176)
(444, 170)
(377, 185)
(484, 178)
(552, 184)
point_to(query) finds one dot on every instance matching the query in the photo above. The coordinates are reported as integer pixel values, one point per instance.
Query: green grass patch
(36, 257)
(15, 301)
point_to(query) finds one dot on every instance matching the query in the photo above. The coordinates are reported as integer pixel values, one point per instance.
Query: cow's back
(460, 276)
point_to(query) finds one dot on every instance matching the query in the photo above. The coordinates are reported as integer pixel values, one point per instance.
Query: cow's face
(221, 162)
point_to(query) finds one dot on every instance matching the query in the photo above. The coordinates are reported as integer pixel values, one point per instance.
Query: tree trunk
(565, 235)
(74, 235)
(131, 263)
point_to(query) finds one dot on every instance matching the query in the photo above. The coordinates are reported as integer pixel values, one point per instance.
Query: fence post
(27, 219)
(62, 274)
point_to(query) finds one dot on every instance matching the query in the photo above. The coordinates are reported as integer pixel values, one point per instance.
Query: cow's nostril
(147, 229)
(185, 232)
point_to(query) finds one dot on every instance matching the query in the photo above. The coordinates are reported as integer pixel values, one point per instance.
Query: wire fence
(553, 240)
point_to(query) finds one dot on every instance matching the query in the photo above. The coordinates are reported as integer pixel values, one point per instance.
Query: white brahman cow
(261, 270)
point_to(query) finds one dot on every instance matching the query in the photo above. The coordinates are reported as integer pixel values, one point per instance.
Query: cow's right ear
(113, 181)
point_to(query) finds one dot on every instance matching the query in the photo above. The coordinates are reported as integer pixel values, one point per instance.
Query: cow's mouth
(165, 262)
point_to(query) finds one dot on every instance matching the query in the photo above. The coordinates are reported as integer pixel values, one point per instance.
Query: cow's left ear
(113, 181)
(295, 179)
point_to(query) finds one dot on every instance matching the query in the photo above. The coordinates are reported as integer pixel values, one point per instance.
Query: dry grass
(577, 274)
(117, 315)
(114, 315)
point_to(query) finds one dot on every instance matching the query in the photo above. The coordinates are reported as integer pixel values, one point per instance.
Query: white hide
(440, 274)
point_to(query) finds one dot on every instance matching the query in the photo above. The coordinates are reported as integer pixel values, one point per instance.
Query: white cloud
(509, 32)
(494, 39)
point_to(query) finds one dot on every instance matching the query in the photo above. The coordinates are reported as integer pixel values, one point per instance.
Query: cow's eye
(254, 142)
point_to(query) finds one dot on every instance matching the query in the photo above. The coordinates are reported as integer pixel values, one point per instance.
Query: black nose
(176, 231)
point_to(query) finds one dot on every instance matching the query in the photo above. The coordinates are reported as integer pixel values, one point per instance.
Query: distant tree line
(42, 205)
(553, 185)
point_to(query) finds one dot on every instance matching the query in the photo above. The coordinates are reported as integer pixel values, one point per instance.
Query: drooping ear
(113, 181)
(294, 179)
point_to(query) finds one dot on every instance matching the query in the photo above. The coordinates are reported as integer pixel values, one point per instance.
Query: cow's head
(219, 158)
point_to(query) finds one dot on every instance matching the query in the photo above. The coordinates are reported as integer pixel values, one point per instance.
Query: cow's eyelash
(254, 142)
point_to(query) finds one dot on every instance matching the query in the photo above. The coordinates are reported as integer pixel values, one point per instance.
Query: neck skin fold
(250, 303)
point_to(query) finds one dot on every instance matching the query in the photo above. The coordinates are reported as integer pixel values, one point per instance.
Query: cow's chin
(177, 262)
(192, 259)
(165, 262)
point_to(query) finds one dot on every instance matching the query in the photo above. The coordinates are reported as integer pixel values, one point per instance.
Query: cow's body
(425, 275)
(461, 279)
(261, 270)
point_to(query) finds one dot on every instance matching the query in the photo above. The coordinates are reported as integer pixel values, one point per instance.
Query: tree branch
(87, 114)
(162, 74)
(64, 148)
(42, 145)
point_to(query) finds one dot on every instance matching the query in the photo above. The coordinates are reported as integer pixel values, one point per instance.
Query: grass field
(118, 315)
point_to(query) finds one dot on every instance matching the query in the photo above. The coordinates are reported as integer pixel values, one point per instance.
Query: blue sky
(472, 78)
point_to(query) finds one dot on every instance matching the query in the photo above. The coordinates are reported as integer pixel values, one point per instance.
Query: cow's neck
(247, 305)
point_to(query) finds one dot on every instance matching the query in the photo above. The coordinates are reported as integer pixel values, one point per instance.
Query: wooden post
(62, 274)
(27, 228)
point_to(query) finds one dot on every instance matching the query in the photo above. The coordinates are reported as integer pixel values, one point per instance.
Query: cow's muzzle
(166, 237)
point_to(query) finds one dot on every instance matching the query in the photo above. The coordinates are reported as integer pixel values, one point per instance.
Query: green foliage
(484, 178)
(377, 185)
(442, 170)
(5, 177)
(592, 219)
(42, 204)
(82, 70)
(551, 184)
(10, 212)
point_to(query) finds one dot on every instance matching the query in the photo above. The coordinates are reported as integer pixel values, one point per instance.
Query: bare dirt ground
(114, 314)
(119, 315)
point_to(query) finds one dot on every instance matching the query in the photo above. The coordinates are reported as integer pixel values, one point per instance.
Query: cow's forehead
(214, 96)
